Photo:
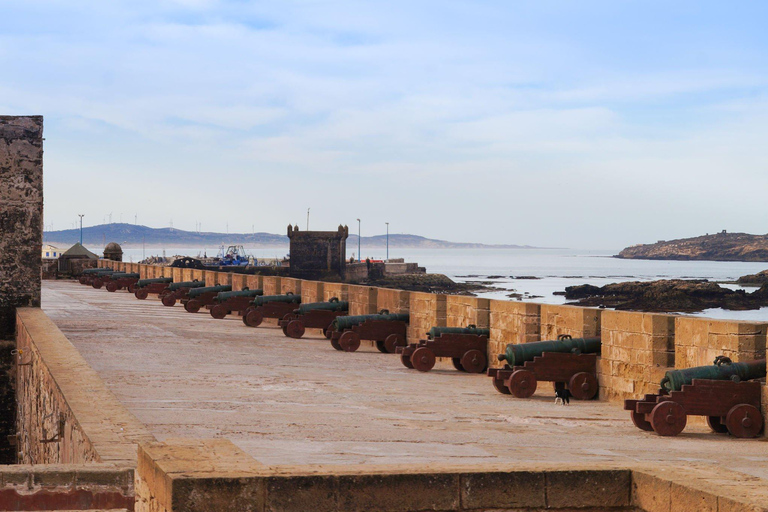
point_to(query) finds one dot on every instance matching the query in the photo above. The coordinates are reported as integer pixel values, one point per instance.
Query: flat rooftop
(286, 401)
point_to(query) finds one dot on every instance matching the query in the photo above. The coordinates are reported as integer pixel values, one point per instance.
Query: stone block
(503, 490)
(650, 493)
(588, 488)
(301, 494)
(685, 498)
(399, 492)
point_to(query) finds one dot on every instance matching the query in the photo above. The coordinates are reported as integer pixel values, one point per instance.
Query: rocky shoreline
(666, 296)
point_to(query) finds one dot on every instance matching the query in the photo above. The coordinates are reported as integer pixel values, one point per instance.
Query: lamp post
(387, 223)
(81, 227)
(358, 239)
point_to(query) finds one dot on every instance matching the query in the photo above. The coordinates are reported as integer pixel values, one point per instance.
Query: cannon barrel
(674, 380)
(516, 355)
(347, 322)
(337, 305)
(186, 284)
(141, 283)
(194, 292)
(260, 301)
(125, 275)
(437, 331)
(96, 270)
(221, 297)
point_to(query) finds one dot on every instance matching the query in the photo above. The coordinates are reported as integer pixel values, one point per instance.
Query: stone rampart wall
(66, 413)
(637, 347)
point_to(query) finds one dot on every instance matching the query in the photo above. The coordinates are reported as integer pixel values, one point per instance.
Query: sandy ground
(288, 401)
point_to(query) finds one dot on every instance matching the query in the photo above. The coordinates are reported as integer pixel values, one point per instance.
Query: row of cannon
(726, 393)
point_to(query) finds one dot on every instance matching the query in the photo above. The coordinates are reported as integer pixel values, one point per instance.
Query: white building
(51, 252)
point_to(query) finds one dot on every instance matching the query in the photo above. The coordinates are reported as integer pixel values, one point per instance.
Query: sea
(534, 274)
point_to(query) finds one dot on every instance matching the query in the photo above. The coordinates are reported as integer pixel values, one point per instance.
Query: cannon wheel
(668, 418)
(392, 342)
(97, 283)
(381, 347)
(245, 314)
(335, 344)
(474, 361)
(295, 329)
(141, 293)
(349, 341)
(640, 422)
(169, 300)
(192, 306)
(253, 318)
(328, 332)
(717, 424)
(81, 280)
(218, 312)
(522, 383)
(111, 287)
(131, 288)
(406, 360)
(583, 386)
(423, 359)
(744, 420)
(501, 387)
(457, 364)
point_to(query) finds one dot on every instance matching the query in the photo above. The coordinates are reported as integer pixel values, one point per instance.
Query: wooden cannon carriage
(179, 291)
(119, 281)
(227, 302)
(270, 306)
(315, 315)
(467, 348)
(157, 286)
(387, 330)
(569, 363)
(197, 298)
(725, 393)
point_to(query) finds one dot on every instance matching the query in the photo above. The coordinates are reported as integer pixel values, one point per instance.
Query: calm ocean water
(554, 268)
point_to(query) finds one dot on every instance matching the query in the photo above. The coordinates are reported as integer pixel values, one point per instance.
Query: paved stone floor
(288, 401)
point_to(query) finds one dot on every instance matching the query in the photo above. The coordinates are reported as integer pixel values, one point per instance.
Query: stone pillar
(21, 216)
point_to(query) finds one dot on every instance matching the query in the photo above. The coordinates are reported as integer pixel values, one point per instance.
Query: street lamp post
(387, 223)
(81, 227)
(358, 240)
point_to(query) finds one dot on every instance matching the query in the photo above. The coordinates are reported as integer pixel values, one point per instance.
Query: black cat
(564, 395)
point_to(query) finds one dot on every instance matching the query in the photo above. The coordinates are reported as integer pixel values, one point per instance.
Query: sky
(590, 124)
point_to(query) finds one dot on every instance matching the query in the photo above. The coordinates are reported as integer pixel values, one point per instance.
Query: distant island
(132, 234)
(722, 246)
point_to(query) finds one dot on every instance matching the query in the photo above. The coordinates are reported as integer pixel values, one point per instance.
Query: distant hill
(132, 234)
(718, 247)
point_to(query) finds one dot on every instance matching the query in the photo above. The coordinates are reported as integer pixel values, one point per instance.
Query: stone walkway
(288, 401)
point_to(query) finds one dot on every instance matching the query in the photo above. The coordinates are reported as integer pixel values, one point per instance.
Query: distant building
(318, 254)
(113, 252)
(75, 259)
(51, 252)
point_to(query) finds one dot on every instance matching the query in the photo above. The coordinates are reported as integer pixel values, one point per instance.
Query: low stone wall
(362, 300)
(290, 284)
(271, 285)
(312, 291)
(197, 475)
(571, 320)
(427, 310)
(512, 322)
(395, 301)
(637, 348)
(462, 311)
(338, 290)
(70, 487)
(699, 340)
(66, 413)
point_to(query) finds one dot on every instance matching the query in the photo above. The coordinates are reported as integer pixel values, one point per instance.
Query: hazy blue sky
(582, 124)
